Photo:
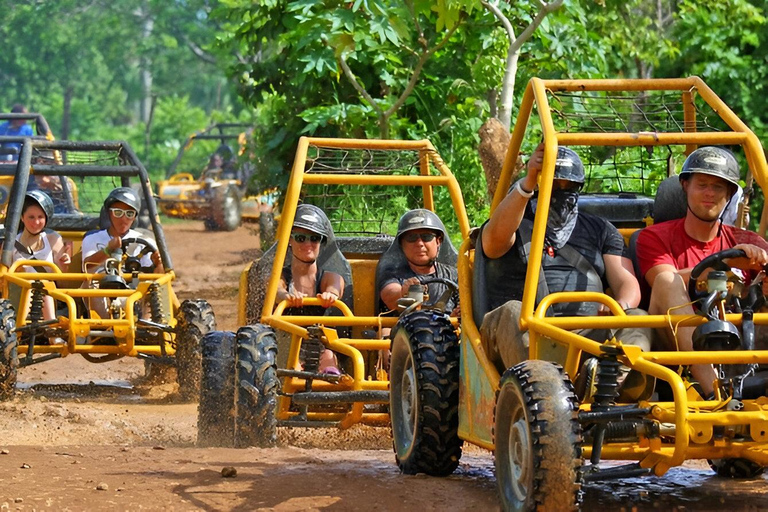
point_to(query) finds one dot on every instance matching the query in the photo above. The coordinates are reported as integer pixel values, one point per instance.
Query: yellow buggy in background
(250, 385)
(140, 314)
(219, 195)
(630, 135)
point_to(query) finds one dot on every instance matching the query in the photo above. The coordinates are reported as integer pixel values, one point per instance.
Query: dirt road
(80, 436)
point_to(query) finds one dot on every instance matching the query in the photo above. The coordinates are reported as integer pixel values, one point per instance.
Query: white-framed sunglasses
(119, 212)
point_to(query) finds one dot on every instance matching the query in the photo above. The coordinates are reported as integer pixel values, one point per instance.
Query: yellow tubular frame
(124, 329)
(296, 325)
(692, 420)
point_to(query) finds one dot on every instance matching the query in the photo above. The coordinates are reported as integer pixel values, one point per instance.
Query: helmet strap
(312, 262)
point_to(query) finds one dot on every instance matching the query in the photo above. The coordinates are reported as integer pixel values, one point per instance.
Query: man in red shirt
(669, 250)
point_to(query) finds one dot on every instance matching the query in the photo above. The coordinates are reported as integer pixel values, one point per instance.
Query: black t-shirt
(434, 289)
(592, 237)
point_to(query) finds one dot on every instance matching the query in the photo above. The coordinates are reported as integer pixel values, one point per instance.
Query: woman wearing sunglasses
(122, 205)
(308, 274)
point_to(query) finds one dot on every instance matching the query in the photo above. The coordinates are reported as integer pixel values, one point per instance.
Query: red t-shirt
(668, 243)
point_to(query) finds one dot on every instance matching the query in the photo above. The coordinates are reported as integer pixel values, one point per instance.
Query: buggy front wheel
(424, 394)
(537, 438)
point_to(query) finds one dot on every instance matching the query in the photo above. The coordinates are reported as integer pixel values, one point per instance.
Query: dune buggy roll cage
(698, 416)
(130, 167)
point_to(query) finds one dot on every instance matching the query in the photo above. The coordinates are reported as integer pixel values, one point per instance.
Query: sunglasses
(119, 212)
(301, 238)
(413, 237)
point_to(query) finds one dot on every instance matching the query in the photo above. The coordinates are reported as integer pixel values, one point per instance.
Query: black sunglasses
(301, 238)
(413, 237)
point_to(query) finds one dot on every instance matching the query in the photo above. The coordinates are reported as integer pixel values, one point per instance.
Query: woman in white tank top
(35, 242)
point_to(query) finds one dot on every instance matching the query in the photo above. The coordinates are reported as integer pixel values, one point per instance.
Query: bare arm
(60, 256)
(499, 233)
(394, 291)
(621, 279)
(331, 288)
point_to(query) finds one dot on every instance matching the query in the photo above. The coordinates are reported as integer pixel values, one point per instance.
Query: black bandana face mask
(563, 211)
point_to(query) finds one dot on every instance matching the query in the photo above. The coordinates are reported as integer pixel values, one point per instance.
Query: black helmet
(312, 218)
(569, 166)
(41, 199)
(124, 195)
(225, 152)
(420, 219)
(713, 161)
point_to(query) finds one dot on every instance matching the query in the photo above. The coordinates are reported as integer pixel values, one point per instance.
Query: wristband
(105, 250)
(520, 190)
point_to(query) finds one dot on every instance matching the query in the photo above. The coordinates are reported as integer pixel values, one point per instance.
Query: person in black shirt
(582, 253)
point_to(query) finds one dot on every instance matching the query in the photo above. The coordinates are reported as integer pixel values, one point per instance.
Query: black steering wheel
(442, 301)
(133, 263)
(714, 261)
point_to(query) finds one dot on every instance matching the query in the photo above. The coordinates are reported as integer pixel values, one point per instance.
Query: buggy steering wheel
(715, 261)
(442, 301)
(133, 263)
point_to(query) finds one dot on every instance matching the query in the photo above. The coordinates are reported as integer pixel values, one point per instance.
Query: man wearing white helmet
(668, 251)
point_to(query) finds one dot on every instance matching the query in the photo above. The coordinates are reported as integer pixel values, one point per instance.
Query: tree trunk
(66, 114)
(494, 139)
(145, 65)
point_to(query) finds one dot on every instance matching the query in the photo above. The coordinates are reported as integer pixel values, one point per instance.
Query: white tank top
(44, 254)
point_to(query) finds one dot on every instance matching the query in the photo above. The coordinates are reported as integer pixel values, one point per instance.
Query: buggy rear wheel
(226, 209)
(736, 468)
(195, 320)
(424, 394)
(215, 414)
(256, 386)
(9, 360)
(266, 230)
(537, 437)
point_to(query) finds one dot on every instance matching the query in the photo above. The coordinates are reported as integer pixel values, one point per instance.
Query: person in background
(15, 128)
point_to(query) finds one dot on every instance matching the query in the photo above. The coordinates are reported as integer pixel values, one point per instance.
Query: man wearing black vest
(582, 252)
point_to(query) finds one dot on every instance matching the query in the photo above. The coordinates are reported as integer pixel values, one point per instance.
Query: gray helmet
(124, 195)
(569, 166)
(713, 161)
(312, 218)
(41, 199)
(420, 219)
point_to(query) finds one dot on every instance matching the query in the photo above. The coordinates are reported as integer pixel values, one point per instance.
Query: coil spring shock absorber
(35, 316)
(607, 390)
(155, 303)
(311, 348)
(36, 305)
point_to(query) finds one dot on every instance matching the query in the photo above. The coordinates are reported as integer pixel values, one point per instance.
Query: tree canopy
(152, 71)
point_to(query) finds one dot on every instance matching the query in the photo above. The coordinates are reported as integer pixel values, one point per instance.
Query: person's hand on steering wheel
(755, 258)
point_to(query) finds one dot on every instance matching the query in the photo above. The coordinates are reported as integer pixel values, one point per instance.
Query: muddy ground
(81, 436)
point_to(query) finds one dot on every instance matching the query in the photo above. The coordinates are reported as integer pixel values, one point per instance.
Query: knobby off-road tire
(267, 229)
(195, 320)
(9, 360)
(216, 411)
(256, 386)
(424, 394)
(736, 468)
(537, 438)
(226, 210)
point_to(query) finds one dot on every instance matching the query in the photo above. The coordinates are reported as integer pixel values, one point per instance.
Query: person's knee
(668, 290)
(501, 338)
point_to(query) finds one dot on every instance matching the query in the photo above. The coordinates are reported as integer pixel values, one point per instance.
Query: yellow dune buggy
(211, 183)
(141, 316)
(547, 441)
(266, 375)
